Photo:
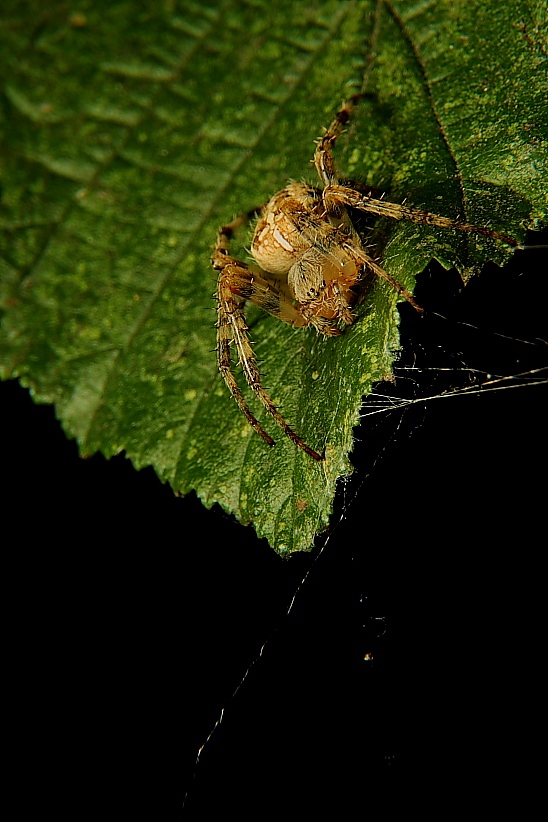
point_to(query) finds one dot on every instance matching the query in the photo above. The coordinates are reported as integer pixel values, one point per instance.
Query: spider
(310, 262)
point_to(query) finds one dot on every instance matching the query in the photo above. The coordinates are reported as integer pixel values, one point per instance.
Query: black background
(132, 615)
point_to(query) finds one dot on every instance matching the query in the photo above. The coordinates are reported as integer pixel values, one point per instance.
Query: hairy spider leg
(238, 282)
(373, 205)
(323, 157)
(334, 199)
(343, 195)
(336, 196)
(376, 269)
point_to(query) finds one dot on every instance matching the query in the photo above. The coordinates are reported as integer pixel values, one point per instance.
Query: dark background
(132, 615)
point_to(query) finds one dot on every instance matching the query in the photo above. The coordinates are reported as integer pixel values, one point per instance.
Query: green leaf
(130, 132)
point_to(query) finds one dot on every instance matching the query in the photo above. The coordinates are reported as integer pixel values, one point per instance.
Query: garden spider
(310, 263)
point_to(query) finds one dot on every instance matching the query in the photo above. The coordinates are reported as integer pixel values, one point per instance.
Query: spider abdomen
(279, 240)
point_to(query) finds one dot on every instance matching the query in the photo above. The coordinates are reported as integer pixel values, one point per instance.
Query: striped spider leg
(237, 283)
(309, 263)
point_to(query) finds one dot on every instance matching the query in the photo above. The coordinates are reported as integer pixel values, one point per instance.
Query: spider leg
(224, 362)
(376, 269)
(373, 205)
(238, 282)
(323, 157)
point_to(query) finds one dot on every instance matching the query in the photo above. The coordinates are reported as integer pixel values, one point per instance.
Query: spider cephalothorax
(300, 243)
(309, 264)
